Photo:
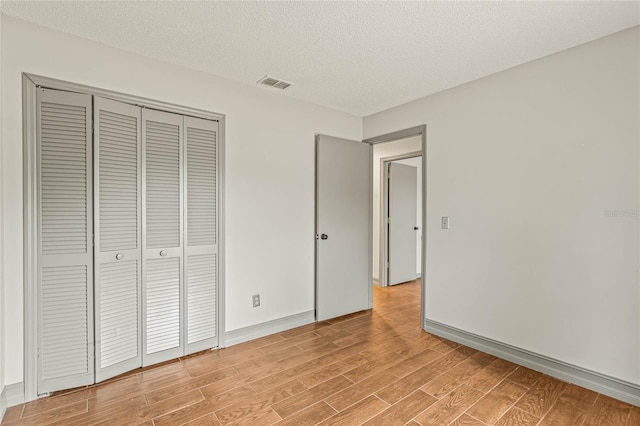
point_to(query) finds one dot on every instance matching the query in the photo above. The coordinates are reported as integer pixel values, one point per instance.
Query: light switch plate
(445, 222)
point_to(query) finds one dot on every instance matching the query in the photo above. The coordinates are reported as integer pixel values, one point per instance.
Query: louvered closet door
(118, 245)
(65, 252)
(162, 236)
(201, 233)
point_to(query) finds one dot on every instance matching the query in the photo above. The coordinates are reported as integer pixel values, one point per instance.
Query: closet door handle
(163, 253)
(119, 256)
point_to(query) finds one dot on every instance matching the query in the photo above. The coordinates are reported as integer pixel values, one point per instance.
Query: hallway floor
(375, 368)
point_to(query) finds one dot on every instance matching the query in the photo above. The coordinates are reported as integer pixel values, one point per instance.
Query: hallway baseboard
(597, 382)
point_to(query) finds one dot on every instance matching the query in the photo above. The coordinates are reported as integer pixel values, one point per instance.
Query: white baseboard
(11, 395)
(597, 382)
(15, 394)
(375, 281)
(245, 334)
(3, 403)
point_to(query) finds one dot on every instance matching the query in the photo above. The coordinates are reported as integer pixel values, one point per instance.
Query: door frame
(30, 84)
(384, 201)
(421, 131)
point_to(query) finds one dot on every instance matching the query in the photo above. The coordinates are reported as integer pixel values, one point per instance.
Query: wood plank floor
(373, 368)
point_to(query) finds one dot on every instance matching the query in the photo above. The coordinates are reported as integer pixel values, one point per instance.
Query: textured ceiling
(358, 57)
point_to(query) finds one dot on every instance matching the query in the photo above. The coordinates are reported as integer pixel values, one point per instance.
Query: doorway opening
(346, 237)
(395, 150)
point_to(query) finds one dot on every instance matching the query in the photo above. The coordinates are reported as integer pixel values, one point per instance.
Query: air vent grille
(274, 82)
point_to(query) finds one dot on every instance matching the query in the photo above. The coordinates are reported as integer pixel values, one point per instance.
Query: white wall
(529, 164)
(417, 163)
(269, 169)
(383, 150)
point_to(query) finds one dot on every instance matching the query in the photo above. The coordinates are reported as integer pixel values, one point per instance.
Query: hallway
(375, 367)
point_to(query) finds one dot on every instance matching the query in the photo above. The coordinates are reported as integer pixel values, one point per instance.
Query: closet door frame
(30, 84)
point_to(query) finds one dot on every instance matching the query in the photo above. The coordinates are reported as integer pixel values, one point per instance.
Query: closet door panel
(201, 137)
(163, 304)
(65, 247)
(65, 327)
(201, 302)
(201, 233)
(163, 183)
(119, 319)
(118, 206)
(162, 230)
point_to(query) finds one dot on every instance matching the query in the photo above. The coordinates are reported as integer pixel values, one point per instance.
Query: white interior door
(65, 246)
(402, 222)
(343, 217)
(118, 245)
(163, 237)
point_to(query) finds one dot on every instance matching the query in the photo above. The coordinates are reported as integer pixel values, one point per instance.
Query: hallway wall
(538, 168)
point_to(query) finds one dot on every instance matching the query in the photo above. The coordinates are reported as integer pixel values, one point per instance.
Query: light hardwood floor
(374, 368)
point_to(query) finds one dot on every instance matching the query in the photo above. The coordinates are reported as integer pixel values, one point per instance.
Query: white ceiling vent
(274, 82)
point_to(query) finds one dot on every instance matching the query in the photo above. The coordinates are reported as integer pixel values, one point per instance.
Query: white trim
(53, 83)
(597, 382)
(370, 246)
(3, 403)
(252, 332)
(220, 299)
(10, 396)
(14, 394)
(30, 231)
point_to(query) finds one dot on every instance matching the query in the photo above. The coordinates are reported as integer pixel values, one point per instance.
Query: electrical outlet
(445, 222)
(256, 300)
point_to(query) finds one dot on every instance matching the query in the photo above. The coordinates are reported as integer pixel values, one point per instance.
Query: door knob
(415, 228)
(163, 253)
(323, 236)
(119, 256)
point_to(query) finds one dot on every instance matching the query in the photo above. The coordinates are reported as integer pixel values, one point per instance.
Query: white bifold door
(201, 235)
(162, 246)
(180, 248)
(64, 252)
(118, 243)
(128, 252)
